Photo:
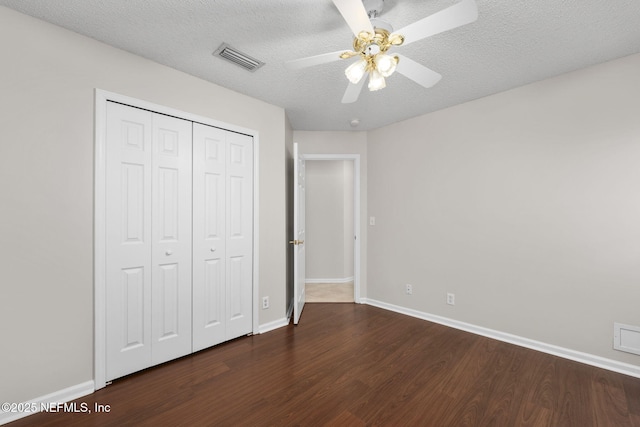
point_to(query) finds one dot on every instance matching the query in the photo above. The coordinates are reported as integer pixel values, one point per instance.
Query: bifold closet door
(171, 233)
(222, 235)
(148, 227)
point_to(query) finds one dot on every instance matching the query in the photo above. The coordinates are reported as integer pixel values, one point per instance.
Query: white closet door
(209, 236)
(239, 283)
(148, 225)
(171, 224)
(223, 235)
(128, 240)
(179, 225)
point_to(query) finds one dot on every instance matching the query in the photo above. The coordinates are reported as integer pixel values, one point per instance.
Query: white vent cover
(234, 55)
(626, 338)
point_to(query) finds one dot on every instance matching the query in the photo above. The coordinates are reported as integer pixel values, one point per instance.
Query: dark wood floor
(352, 365)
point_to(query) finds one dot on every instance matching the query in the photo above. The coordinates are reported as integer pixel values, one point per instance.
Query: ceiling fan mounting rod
(373, 7)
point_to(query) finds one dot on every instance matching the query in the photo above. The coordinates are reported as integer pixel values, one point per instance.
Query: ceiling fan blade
(297, 64)
(417, 72)
(355, 14)
(353, 91)
(455, 16)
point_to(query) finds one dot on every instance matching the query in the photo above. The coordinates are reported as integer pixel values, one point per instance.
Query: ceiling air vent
(242, 59)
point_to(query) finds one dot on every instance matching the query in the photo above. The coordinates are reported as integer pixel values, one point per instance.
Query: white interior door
(173, 209)
(148, 245)
(239, 207)
(299, 234)
(171, 234)
(223, 235)
(209, 236)
(128, 240)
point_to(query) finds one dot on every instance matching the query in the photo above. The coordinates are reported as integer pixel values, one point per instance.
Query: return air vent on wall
(234, 55)
(626, 338)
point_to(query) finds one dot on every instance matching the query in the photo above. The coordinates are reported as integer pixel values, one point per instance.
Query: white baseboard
(586, 358)
(343, 280)
(273, 325)
(61, 396)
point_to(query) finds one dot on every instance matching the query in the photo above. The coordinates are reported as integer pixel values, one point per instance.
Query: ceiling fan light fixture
(386, 64)
(374, 37)
(356, 71)
(376, 81)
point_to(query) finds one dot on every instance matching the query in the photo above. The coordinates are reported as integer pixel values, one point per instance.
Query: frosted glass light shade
(386, 64)
(376, 81)
(356, 71)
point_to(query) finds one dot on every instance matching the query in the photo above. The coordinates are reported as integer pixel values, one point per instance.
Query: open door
(298, 236)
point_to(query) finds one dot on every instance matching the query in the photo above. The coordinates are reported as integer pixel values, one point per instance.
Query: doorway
(332, 228)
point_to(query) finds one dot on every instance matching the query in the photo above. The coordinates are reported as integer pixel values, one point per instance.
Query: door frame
(99, 230)
(356, 212)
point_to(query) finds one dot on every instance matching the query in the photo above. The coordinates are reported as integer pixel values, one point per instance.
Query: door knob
(213, 249)
(168, 252)
(296, 242)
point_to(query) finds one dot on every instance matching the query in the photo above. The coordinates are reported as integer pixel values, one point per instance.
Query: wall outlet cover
(451, 299)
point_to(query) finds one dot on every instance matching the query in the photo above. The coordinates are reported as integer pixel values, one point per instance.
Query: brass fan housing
(364, 42)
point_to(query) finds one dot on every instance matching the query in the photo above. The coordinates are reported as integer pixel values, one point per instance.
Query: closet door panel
(239, 283)
(209, 236)
(179, 237)
(128, 240)
(171, 233)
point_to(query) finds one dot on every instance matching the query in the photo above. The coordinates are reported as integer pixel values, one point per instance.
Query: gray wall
(525, 204)
(329, 219)
(47, 83)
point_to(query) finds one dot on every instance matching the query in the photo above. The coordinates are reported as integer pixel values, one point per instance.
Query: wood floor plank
(632, 391)
(531, 415)
(506, 392)
(609, 399)
(357, 365)
(345, 419)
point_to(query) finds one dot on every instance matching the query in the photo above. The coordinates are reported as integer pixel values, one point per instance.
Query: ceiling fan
(374, 38)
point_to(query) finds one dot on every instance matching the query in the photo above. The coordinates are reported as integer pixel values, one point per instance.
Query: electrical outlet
(265, 303)
(451, 299)
(409, 289)
(372, 220)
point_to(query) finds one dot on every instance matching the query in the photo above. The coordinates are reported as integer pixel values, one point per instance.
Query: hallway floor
(329, 292)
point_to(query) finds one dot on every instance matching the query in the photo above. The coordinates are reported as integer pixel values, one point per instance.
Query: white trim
(61, 396)
(344, 280)
(267, 327)
(566, 353)
(99, 236)
(256, 232)
(356, 212)
(99, 240)
(162, 109)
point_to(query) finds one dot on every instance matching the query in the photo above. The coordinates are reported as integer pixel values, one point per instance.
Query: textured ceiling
(513, 42)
